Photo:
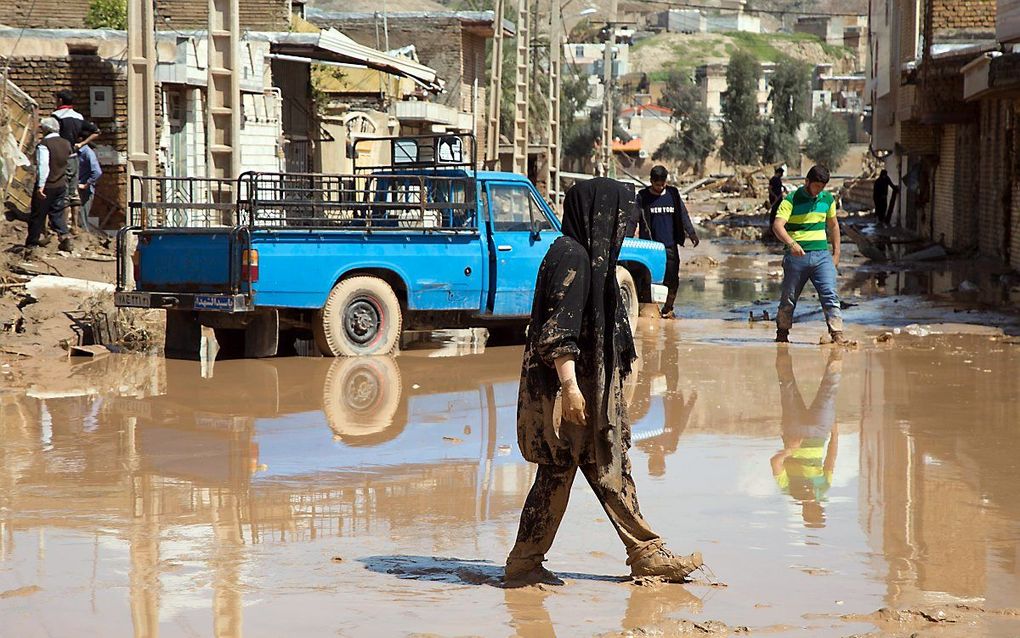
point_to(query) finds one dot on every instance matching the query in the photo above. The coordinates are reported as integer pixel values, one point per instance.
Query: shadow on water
(458, 571)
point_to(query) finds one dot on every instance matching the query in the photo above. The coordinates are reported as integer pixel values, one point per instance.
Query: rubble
(51, 302)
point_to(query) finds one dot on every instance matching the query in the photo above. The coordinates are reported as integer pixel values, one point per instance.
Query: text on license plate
(214, 302)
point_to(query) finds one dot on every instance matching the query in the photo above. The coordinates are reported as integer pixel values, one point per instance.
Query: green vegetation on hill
(768, 47)
(665, 53)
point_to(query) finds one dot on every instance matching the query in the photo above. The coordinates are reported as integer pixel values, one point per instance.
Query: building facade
(944, 88)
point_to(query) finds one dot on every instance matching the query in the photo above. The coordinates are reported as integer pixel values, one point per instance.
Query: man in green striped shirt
(806, 223)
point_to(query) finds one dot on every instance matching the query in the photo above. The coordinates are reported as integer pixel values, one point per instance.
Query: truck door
(521, 235)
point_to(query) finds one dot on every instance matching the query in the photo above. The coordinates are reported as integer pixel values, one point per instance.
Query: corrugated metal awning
(332, 46)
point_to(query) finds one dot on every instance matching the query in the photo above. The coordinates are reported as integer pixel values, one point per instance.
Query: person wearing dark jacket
(79, 132)
(664, 218)
(776, 194)
(578, 353)
(881, 196)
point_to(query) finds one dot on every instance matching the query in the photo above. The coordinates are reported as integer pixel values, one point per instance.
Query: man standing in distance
(881, 195)
(79, 132)
(48, 200)
(664, 218)
(806, 224)
(776, 193)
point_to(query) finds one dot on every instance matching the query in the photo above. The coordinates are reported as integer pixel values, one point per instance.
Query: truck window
(514, 208)
(511, 208)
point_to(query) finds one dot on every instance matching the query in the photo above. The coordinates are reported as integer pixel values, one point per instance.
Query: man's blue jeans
(816, 267)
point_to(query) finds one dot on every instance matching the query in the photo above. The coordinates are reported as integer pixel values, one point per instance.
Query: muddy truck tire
(361, 317)
(361, 400)
(629, 295)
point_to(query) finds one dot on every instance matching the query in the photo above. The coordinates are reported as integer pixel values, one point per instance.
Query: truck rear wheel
(361, 317)
(361, 400)
(629, 294)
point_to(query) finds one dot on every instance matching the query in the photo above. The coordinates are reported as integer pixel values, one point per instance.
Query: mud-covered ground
(869, 491)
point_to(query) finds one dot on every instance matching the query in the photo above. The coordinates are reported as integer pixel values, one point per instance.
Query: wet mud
(380, 496)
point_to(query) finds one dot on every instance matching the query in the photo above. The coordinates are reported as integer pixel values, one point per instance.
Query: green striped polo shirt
(806, 216)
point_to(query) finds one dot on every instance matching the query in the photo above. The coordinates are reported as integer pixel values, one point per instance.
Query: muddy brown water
(378, 497)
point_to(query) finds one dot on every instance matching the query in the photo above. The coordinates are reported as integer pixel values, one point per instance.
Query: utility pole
(522, 88)
(552, 150)
(495, 89)
(608, 163)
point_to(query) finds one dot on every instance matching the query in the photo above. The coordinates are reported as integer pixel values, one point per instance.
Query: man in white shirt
(50, 195)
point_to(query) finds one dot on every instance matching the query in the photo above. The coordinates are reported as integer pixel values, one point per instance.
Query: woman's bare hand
(573, 403)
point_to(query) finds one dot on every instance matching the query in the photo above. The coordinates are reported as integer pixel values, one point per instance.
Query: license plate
(133, 299)
(214, 302)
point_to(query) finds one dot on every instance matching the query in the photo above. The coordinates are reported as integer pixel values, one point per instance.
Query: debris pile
(52, 301)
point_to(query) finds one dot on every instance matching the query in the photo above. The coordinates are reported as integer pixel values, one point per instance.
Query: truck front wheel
(629, 295)
(361, 317)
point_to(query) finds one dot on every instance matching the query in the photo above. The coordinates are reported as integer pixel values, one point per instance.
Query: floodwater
(378, 497)
(748, 279)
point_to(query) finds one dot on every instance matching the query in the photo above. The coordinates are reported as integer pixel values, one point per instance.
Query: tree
(743, 129)
(107, 14)
(680, 94)
(790, 96)
(694, 140)
(828, 139)
(577, 134)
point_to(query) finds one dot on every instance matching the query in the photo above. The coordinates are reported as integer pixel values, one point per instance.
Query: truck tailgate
(187, 261)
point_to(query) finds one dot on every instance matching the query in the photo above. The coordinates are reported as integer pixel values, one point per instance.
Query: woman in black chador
(579, 351)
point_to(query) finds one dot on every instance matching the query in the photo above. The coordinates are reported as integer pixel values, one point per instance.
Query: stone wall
(950, 16)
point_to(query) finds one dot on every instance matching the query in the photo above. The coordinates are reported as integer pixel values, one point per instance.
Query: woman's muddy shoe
(659, 562)
(839, 339)
(523, 576)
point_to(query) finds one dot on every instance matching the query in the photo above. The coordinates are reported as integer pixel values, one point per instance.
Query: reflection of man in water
(803, 468)
(676, 410)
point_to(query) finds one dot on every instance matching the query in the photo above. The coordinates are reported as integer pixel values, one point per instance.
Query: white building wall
(261, 132)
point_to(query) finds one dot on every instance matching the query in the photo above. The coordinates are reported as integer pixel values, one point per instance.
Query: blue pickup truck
(414, 239)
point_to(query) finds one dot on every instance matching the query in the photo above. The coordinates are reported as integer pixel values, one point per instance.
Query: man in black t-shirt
(79, 132)
(664, 218)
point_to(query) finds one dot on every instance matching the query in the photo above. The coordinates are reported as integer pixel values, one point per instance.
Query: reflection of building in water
(940, 485)
(265, 451)
(804, 467)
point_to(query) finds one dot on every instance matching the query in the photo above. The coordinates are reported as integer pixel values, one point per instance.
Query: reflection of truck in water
(419, 241)
(292, 419)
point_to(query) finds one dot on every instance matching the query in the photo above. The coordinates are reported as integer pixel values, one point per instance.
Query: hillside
(665, 52)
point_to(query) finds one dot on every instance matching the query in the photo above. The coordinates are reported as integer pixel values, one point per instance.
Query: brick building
(944, 87)
(99, 85)
(257, 15)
